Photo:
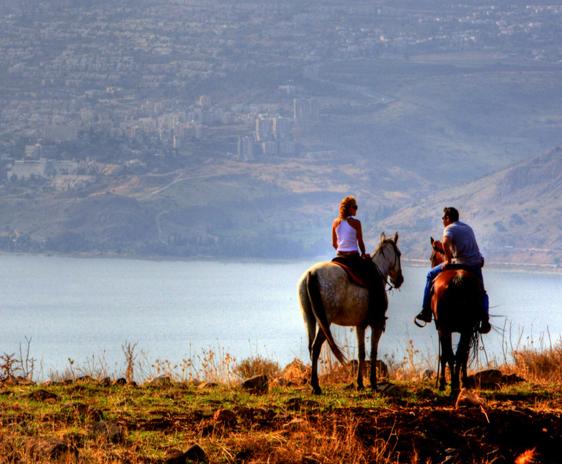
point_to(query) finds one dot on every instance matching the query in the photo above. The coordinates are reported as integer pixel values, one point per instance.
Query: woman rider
(347, 236)
(347, 239)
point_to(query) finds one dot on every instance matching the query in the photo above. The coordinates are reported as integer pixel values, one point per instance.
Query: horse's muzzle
(398, 281)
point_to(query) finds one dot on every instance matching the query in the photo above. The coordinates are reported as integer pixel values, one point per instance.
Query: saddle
(455, 267)
(354, 269)
(362, 273)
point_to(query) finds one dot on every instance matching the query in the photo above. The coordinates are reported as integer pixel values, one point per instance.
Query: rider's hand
(365, 256)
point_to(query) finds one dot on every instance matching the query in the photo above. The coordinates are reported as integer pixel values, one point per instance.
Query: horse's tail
(307, 312)
(313, 290)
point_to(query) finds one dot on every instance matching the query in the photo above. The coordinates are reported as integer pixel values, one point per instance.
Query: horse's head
(437, 253)
(387, 259)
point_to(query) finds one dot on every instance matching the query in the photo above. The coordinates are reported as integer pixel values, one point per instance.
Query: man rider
(459, 244)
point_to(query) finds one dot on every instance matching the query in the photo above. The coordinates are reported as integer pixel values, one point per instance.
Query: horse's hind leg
(360, 331)
(315, 353)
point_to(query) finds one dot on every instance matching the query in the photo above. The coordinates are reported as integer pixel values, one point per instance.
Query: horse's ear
(383, 237)
(431, 238)
(396, 237)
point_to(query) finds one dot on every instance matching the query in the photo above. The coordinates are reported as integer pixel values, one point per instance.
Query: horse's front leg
(462, 358)
(360, 331)
(376, 333)
(314, 354)
(446, 357)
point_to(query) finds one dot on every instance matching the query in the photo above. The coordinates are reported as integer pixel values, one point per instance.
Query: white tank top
(347, 237)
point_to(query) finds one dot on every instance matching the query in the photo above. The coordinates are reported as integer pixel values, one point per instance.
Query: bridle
(397, 254)
(437, 253)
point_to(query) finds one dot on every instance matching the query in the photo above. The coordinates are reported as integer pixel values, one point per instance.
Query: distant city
(95, 93)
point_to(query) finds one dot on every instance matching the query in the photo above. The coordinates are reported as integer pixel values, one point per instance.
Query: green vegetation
(214, 419)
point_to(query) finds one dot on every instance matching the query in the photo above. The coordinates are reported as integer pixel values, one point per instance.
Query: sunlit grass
(165, 406)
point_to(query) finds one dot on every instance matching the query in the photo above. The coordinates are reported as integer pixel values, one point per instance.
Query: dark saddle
(354, 267)
(363, 273)
(456, 267)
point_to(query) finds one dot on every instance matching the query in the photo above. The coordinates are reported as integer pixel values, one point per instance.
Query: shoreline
(502, 266)
(412, 262)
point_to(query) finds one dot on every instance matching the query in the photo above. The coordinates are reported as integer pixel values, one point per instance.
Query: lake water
(81, 308)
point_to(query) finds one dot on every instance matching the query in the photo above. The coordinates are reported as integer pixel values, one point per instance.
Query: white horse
(327, 296)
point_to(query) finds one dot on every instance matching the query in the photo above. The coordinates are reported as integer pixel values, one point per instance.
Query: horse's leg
(360, 331)
(462, 358)
(376, 333)
(316, 347)
(446, 357)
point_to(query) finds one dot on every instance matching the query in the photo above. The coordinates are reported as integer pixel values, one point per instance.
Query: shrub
(544, 364)
(256, 366)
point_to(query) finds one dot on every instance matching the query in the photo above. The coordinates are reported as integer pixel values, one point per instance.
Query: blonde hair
(345, 206)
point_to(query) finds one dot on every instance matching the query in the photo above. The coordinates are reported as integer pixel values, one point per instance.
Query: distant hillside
(223, 209)
(284, 210)
(516, 214)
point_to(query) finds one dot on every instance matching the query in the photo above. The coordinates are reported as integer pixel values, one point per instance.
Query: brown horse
(456, 303)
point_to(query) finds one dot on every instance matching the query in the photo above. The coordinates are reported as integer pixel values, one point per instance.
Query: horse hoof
(360, 388)
(317, 391)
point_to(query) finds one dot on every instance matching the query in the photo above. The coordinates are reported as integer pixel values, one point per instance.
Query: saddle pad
(352, 274)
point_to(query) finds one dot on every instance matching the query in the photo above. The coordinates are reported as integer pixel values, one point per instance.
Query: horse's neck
(382, 263)
(437, 258)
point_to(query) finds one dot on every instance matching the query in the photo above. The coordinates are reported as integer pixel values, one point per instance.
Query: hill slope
(220, 209)
(516, 214)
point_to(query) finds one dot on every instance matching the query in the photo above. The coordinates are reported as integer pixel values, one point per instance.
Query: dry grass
(256, 365)
(308, 440)
(539, 365)
(287, 425)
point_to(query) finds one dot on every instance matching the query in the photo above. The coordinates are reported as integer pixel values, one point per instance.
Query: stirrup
(418, 323)
(485, 327)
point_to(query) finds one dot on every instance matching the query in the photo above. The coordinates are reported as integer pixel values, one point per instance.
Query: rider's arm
(447, 247)
(334, 235)
(356, 224)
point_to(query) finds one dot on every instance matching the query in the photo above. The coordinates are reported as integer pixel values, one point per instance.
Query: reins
(388, 285)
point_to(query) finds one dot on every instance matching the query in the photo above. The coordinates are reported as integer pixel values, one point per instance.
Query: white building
(25, 169)
(269, 148)
(264, 128)
(33, 151)
(282, 128)
(305, 110)
(246, 148)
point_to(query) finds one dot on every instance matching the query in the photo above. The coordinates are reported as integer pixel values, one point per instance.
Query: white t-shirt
(463, 244)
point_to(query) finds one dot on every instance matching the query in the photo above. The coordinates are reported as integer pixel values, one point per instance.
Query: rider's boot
(424, 315)
(485, 326)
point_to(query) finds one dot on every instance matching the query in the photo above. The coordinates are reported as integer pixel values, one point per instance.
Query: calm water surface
(82, 307)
